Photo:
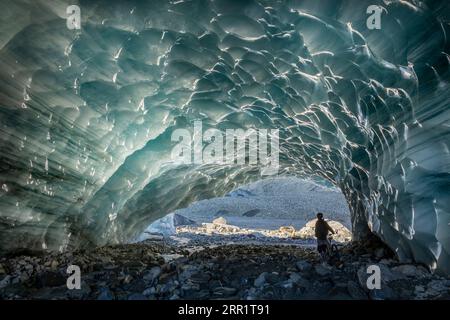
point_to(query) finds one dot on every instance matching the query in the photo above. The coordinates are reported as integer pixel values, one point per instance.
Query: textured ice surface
(86, 116)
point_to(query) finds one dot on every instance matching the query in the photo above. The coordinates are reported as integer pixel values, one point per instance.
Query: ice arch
(86, 116)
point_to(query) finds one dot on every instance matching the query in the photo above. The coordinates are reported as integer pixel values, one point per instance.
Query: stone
(54, 265)
(210, 227)
(224, 291)
(355, 291)
(153, 236)
(260, 280)
(29, 267)
(52, 293)
(385, 293)
(303, 266)
(295, 277)
(170, 257)
(322, 270)
(272, 277)
(220, 220)
(152, 274)
(410, 270)
(200, 277)
(186, 272)
(149, 291)
(419, 289)
(298, 280)
(438, 286)
(167, 287)
(214, 284)
(127, 279)
(387, 261)
(5, 281)
(24, 277)
(82, 293)
(50, 279)
(190, 288)
(105, 294)
(288, 230)
(379, 253)
(201, 295)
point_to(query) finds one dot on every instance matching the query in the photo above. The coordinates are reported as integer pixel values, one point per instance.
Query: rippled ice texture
(87, 115)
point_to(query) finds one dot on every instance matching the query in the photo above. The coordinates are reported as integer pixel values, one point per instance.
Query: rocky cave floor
(206, 269)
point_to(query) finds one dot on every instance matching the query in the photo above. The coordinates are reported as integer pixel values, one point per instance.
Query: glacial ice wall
(86, 115)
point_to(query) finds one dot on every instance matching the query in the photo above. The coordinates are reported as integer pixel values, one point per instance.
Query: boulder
(224, 291)
(82, 293)
(152, 274)
(5, 281)
(322, 270)
(105, 294)
(50, 279)
(385, 293)
(298, 280)
(260, 280)
(220, 220)
(409, 270)
(303, 266)
(287, 230)
(153, 236)
(355, 291)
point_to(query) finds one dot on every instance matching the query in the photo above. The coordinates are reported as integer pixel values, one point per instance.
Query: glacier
(87, 115)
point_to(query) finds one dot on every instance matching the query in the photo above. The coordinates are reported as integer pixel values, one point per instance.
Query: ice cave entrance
(270, 211)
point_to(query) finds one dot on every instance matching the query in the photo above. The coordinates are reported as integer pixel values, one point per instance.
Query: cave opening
(274, 210)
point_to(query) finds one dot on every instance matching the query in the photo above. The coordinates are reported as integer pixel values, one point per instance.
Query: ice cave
(87, 114)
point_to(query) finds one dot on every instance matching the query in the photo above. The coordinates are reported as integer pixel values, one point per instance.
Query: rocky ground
(199, 266)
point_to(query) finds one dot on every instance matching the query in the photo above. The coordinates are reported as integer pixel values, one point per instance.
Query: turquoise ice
(86, 115)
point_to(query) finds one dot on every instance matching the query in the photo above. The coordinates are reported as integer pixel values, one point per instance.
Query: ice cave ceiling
(86, 115)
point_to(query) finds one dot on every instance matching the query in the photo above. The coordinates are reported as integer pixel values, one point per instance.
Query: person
(321, 232)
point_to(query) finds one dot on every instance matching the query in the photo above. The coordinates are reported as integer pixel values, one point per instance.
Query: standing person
(321, 232)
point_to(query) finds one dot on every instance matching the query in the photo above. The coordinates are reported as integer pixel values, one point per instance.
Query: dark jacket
(321, 229)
